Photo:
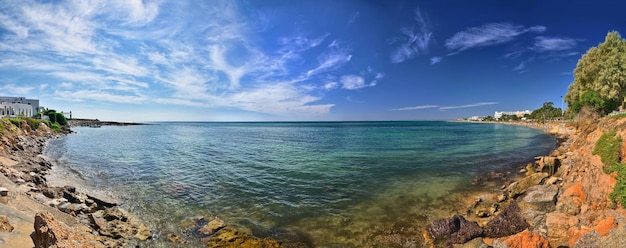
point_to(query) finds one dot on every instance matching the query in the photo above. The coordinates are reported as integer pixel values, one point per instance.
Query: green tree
(593, 99)
(601, 69)
(546, 112)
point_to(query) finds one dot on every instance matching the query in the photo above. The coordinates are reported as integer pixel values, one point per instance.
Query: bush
(55, 127)
(34, 124)
(60, 118)
(619, 190)
(16, 122)
(608, 146)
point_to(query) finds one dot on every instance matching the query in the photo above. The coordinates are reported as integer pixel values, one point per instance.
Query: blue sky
(133, 60)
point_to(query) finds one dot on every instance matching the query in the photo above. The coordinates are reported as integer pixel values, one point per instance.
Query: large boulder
(538, 200)
(519, 187)
(508, 222)
(50, 233)
(454, 230)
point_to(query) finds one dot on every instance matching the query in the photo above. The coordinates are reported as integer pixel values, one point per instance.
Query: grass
(617, 116)
(608, 147)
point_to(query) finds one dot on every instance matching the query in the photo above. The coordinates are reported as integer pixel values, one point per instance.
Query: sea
(322, 184)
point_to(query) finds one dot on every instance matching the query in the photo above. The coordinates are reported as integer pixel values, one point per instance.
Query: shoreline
(576, 210)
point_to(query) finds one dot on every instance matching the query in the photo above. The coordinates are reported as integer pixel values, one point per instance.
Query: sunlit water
(337, 184)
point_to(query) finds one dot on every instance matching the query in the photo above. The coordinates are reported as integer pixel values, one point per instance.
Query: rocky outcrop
(508, 222)
(525, 239)
(454, 230)
(50, 233)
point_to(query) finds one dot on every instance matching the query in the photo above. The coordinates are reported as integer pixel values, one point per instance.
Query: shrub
(619, 190)
(55, 127)
(608, 146)
(16, 122)
(2, 126)
(34, 124)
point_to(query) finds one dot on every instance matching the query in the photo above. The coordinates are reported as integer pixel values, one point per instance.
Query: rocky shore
(561, 200)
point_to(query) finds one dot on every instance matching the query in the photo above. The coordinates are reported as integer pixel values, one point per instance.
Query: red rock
(525, 239)
(604, 226)
(575, 190)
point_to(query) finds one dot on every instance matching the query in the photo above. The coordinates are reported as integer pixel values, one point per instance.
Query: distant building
(16, 106)
(497, 115)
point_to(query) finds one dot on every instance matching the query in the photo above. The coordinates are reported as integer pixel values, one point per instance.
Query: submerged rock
(230, 238)
(454, 230)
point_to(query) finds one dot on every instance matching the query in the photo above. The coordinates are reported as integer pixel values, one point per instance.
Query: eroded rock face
(51, 233)
(525, 239)
(5, 226)
(454, 230)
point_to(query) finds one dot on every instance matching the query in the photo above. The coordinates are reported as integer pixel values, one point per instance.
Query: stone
(454, 230)
(5, 226)
(590, 239)
(508, 222)
(4, 191)
(525, 239)
(103, 200)
(558, 225)
(501, 198)
(474, 243)
(541, 198)
(519, 187)
(230, 238)
(552, 180)
(143, 232)
(51, 233)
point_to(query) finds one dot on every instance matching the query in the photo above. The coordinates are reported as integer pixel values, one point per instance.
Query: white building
(497, 115)
(15, 106)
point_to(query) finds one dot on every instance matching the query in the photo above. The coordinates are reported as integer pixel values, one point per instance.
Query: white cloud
(412, 42)
(416, 108)
(331, 85)
(330, 61)
(354, 82)
(435, 60)
(81, 95)
(543, 44)
(520, 67)
(488, 35)
(15, 89)
(468, 105)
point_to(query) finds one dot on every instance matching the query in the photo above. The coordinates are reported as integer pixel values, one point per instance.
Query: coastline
(561, 200)
(564, 206)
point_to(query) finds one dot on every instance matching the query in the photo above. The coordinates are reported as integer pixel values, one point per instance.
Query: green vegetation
(55, 117)
(617, 116)
(2, 127)
(608, 147)
(52, 126)
(601, 71)
(546, 112)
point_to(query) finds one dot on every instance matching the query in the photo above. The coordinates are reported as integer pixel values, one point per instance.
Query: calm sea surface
(327, 184)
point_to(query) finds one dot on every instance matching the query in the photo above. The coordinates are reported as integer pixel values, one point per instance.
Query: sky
(284, 60)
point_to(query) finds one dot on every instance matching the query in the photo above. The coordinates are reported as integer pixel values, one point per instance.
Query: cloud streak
(488, 35)
(413, 41)
(420, 107)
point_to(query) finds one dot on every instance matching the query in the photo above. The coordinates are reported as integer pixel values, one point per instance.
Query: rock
(590, 239)
(501, 197)
(541, 198)
(454, 230)
(519, 187)
(553, 180)
(5, 226)
(51, 233)
(211, 227)
(230, 238)
(4, 191)
(558, 225)
(474, 243)
(522, 240)
(103, 200)
(508, 222)
(143, 232)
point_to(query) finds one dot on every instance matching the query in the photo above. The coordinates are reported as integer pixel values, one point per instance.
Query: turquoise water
(327, 184)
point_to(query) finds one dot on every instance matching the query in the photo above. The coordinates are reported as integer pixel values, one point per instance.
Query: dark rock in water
(211, 227)
(102, 200)
(508, 222)
(454, 230)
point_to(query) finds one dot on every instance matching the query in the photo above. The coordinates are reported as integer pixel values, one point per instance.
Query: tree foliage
(603, 70)
(546, 112)
(593, 99)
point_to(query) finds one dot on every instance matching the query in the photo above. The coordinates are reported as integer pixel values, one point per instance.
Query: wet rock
(519, 187)
(143, 232)
(5, 226)
(230, 238)
(211, 227)
(508, 222)
(522, 240)
(474, 243)
(454, 230)
(51, 233)
(102, 200)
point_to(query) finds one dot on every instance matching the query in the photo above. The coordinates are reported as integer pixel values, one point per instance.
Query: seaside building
(15, 106)
(497, 115)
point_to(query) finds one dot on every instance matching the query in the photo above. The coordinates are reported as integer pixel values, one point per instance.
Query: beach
(576, 210)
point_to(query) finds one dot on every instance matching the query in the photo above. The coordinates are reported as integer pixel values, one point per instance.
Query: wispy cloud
(355, 16)
(479, 104)
(413, 41)
(468, 105)
(545, 44)
(488, 35)
(141, 51)
(416, 108)
(435, 60)
(520, 68)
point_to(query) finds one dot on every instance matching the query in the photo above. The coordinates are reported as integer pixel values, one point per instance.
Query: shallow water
(327, 184)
